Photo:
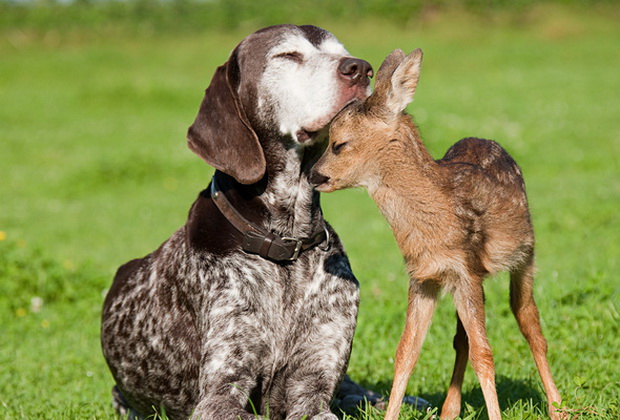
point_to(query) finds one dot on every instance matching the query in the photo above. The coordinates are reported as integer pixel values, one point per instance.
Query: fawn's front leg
(422, 299)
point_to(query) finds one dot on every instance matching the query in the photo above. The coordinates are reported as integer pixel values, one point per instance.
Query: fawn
(456, 220)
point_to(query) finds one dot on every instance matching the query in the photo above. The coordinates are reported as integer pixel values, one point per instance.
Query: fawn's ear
(222, 134)
(384, 76)
(404, 81)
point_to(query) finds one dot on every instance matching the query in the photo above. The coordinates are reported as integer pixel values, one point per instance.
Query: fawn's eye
(337, 147)
(291, 55)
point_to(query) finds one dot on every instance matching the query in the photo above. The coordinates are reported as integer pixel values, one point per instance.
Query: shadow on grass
(510, 392)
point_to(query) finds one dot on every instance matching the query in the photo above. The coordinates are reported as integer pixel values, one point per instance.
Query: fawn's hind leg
(525, 311)
(469, 302)
(452, 405)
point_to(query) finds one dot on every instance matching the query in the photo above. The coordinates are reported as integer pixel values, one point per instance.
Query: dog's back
(149, 333)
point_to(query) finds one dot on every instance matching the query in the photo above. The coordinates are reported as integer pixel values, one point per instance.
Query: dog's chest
(277, 309)
(271, 293)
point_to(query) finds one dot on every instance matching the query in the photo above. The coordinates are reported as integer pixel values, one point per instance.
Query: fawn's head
(362, 130)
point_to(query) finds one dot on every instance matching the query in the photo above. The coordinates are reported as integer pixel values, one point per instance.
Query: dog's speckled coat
(205, 330)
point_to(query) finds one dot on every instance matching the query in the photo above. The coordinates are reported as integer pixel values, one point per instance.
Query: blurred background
(95, 100)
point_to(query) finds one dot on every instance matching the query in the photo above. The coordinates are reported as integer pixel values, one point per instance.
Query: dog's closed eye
(291, 55)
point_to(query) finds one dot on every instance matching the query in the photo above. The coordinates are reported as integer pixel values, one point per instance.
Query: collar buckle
(297, 250)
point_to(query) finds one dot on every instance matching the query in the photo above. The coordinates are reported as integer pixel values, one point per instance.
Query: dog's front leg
(217, 408)
(227, 380)
(309, 392)
(324, 335)
(233, 355)
(310, 395)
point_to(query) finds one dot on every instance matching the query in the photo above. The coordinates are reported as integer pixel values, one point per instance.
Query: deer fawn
(455, 220)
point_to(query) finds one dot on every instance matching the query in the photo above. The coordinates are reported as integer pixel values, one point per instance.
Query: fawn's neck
(412, 199)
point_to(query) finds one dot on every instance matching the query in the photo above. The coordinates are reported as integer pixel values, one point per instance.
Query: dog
(250, 307)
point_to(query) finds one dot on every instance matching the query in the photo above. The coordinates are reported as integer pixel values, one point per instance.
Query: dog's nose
(355, 69)
(317, 179)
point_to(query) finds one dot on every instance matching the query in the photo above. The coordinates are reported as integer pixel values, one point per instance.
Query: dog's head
(284, 81)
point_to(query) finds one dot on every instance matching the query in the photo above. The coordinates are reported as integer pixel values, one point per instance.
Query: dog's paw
(325, 416)
(417, 402)
(121, 406)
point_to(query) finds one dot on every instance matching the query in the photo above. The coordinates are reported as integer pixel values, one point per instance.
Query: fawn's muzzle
(317, 178)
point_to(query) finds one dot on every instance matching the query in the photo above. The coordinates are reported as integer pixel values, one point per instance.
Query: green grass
(94, 171)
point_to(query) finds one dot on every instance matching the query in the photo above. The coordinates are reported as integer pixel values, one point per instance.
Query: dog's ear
(222, 134)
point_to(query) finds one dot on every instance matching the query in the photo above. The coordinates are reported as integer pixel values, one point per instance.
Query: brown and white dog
(250, 307)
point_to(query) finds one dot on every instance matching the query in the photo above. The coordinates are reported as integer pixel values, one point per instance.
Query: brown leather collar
(257, 240)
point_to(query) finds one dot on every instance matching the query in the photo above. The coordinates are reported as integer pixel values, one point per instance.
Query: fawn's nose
(317, 178)
(355, 70)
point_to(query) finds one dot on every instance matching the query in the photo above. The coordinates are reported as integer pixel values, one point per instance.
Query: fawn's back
(465, 212)
(489, 199)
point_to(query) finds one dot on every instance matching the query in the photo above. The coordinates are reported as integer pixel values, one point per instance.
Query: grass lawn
(94, 171)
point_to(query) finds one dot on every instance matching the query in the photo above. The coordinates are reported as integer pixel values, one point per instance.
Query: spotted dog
(250, 307)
